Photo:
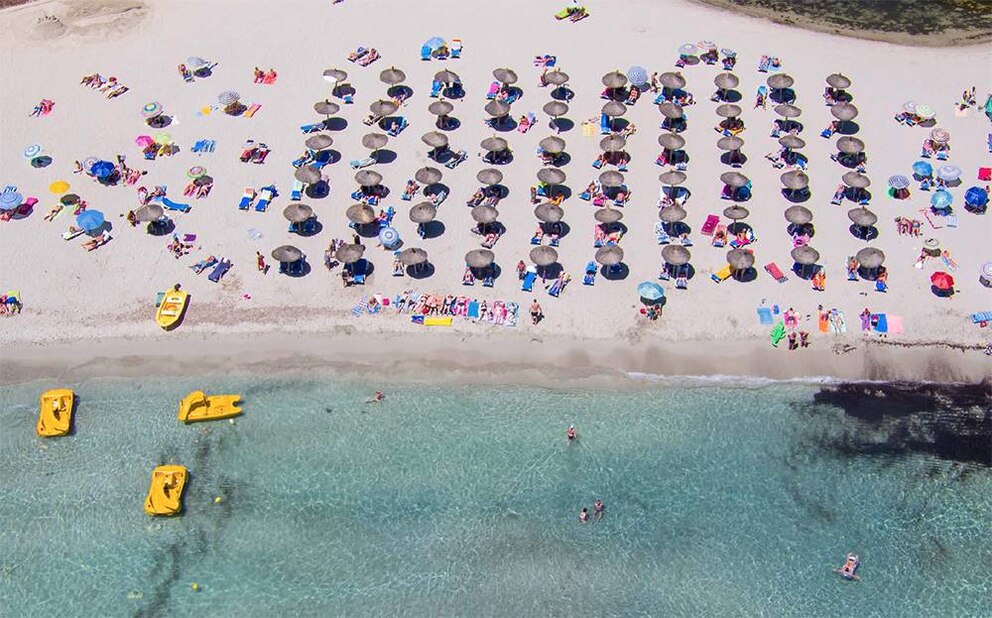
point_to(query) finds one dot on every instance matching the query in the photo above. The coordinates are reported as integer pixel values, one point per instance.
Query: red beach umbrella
(942, 280)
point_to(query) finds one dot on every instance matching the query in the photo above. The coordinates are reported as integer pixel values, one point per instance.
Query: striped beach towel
(360, 307)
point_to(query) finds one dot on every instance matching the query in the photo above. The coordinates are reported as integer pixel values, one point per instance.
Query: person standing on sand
(260, 261)
(536, 314)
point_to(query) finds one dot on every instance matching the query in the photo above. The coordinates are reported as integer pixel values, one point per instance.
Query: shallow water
(464, 500)
(936, 22)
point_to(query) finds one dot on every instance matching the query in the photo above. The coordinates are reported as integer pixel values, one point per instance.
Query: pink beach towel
(895, 324)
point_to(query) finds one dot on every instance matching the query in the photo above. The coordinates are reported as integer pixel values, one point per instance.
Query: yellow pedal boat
(171, 309)
(55, 418)
(166, 492)
(200, 407)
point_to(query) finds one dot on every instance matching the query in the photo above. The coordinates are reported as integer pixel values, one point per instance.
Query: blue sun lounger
(268, 194)
(436, 88)
(527, 284)
(220, 270)
(982, 316)
(170, 205)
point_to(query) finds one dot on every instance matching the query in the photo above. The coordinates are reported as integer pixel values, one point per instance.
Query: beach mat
(823, 322)
(440, 320)
(895, 324)
(765, 316)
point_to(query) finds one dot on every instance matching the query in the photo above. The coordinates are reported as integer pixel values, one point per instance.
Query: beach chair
(268, 194)
(589, 278)
(170, 205)
(604, 125)
(527, 283)
(397, 127)
(436, 88)
(425, 52)
(455, 46)
(368, 58)
(709, 225)
(722, 275)
(312, 127)
(252, 110)
(247, 199)
(362, 163)
(772, 269)
(459, 157)
(220, 270)
(297, 193)
(982, 318)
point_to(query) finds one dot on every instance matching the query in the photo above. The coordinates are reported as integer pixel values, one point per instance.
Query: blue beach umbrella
(923, 169)
(32, 151)
(11, 200)
(941, 199)
(388, 236)
(102, 169)
(638, 76)
(89, 220)
(650, 291)
(434, 43)
(976, 197)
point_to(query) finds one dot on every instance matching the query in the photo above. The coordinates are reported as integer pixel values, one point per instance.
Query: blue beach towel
(473, 310)
(765, 316)
(880, 323)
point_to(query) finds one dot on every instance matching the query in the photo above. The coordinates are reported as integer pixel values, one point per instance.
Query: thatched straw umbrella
(788, 111)
(728, 110)
(794, 180)
(555, 109)
(798, 215)
(611, 178)
(672, 80)
(423, 212)
(480, 258)
(608, 215)
(672, 214)
(362, 214)
(870, 258)
(440, 108)
(676, 255)
(549, 213)
(862, 217)
(435, 139)
(780, 81)
(383, 107)
(736, 213)
(287, 254)
(297, 213)
(505, 76)
(556, 77)
(673, 177)
(490, 177)
(856, 180)
(552, 145)
(792, 142)
(844, 111)
(730, 143)
(543, 256)
(484, 214)
(428, 175)
(551, 176)
(614, 109)
(612, 143)
(494, 144)
(326, 108)
(368, 178)
(726, 81)
(335, 75)
(349, 254)
(497, 109)
(739, 259)
(671, 141)
(609, 256)
(319, 142)
(850, 145)
(838, 81)
(412, 256)
(447, 77)
(734, 179)
(614, 79)
(671, 110)
(307, 174)
(392, 76)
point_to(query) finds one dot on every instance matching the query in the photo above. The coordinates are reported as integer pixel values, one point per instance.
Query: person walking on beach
(260, 262)
(536, 314)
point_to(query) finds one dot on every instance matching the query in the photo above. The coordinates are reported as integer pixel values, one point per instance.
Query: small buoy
(231, 421)
(195, 587)
(218, 500)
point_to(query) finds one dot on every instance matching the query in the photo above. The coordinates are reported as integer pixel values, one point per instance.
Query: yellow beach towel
(438, 321)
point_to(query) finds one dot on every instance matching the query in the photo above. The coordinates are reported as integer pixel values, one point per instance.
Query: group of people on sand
(10, 305)
(43, 108)
(109, 86)
(265, 77)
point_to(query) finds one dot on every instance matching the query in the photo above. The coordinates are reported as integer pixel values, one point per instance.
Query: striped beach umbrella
(228, 97)
(32, 151)
(151, 109)
(11, 200)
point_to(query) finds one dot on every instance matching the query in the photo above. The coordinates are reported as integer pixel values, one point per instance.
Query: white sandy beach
(80, 305)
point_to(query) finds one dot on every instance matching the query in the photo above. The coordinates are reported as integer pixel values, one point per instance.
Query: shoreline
(514, 359)
(795, 19)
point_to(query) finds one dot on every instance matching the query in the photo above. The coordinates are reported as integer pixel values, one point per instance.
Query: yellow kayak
(166, 492)
(200, 407)
(171, 309)
(56, 412)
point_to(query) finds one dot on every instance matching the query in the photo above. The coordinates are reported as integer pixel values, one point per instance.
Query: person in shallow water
(599, 509)
(378, 397)
(571, 434)
(584, 516)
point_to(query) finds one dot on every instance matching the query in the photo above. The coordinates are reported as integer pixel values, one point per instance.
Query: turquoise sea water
(464, 501)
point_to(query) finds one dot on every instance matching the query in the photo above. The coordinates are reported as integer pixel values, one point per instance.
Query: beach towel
(765, 316)
(473, 310)
(879, 322)
(360, 307)
(895, 324)
(440, 320)
(589, 129)
(838, 325)
(778, 332)
(982, 317)
(512, 314)
(824, 322)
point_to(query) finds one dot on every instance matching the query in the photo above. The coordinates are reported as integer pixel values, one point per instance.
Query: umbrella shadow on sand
(318, 190)
(383, 156)
(367, 230)
(562, 125)
(746, 275)
(420, 271)
(432, 229)
(335, 124)
(847, 127)
(618, 272)
(450, 123)
(312, 230)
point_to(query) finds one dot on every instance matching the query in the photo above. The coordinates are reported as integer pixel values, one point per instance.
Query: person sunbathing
(54, 212)
(96, 242)
(411, 189)
(477, 198)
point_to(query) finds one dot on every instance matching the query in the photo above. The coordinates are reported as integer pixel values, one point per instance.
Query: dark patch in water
(951, 422)
(168, 568)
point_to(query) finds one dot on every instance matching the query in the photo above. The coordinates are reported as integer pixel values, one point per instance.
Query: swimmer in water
(599, 509)
(584, 516)
(571, 434)
(378, 397)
